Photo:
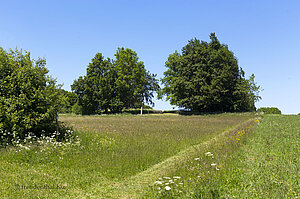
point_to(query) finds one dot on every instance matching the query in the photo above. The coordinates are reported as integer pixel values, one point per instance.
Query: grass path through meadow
(266, 165)
(134, 186)
(269, 165)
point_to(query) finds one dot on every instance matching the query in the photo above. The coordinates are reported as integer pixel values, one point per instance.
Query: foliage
(67, 101)
(77, 109)
(95, 90)
(135, 84)
(28, 97)
(113, 85)
(206, 78)
(269, 110)
(171, 111)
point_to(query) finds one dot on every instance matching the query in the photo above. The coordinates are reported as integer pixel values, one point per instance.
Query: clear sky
(264, 36)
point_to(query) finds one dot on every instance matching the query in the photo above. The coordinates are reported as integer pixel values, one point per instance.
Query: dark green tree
(206, 77)
(113, 85)
(135, 85)
(96, 88)
(67, 101)
(28, 96)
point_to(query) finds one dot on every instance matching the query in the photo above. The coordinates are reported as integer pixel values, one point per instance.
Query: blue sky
(264, 36)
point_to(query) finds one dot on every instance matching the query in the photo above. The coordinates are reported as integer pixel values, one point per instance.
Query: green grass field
(226, 155)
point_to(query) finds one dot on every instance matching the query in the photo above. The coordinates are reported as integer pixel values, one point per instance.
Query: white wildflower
(157, 182)
(167, 188)
(209, 154)
(197, 158)
(176, 177)
(214, 164)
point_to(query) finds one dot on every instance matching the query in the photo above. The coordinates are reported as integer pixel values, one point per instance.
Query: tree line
(204, 77)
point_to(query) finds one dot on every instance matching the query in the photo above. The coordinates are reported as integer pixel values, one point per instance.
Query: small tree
(28, 96)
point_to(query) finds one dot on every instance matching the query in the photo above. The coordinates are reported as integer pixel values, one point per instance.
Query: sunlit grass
(263, 163)
(139, 142)
(112, 149)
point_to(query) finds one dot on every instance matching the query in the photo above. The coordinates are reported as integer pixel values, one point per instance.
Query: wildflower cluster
(239, 135)
(45, 142)
(213, 165)
(169, 186)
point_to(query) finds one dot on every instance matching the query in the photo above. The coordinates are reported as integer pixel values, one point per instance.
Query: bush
(171, 111)
(67, 101)
(77, 109)
(269, 110)
(28, 97)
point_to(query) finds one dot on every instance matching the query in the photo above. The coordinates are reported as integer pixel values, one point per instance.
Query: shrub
(269, 110)
(171, 111)
(28, 97)
(67, 101)
(77, 109)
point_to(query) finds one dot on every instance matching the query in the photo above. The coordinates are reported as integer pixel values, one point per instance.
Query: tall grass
(263, 163)
(112, 149)
(134, 143)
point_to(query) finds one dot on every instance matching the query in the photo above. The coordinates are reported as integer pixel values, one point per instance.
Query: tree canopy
(28, 96)
(113, 85)
(206, 77)
(67, 101)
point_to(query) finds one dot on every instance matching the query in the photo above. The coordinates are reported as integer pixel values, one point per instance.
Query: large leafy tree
(112, 85)
(134, 83)
(95, 89)
(28, 96)
(206, 77)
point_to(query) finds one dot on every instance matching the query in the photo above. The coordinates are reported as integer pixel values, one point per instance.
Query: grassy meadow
(250, 163)
(160, 156)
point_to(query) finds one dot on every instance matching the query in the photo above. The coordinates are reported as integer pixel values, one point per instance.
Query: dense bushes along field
(269, 110)
(29, 99)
